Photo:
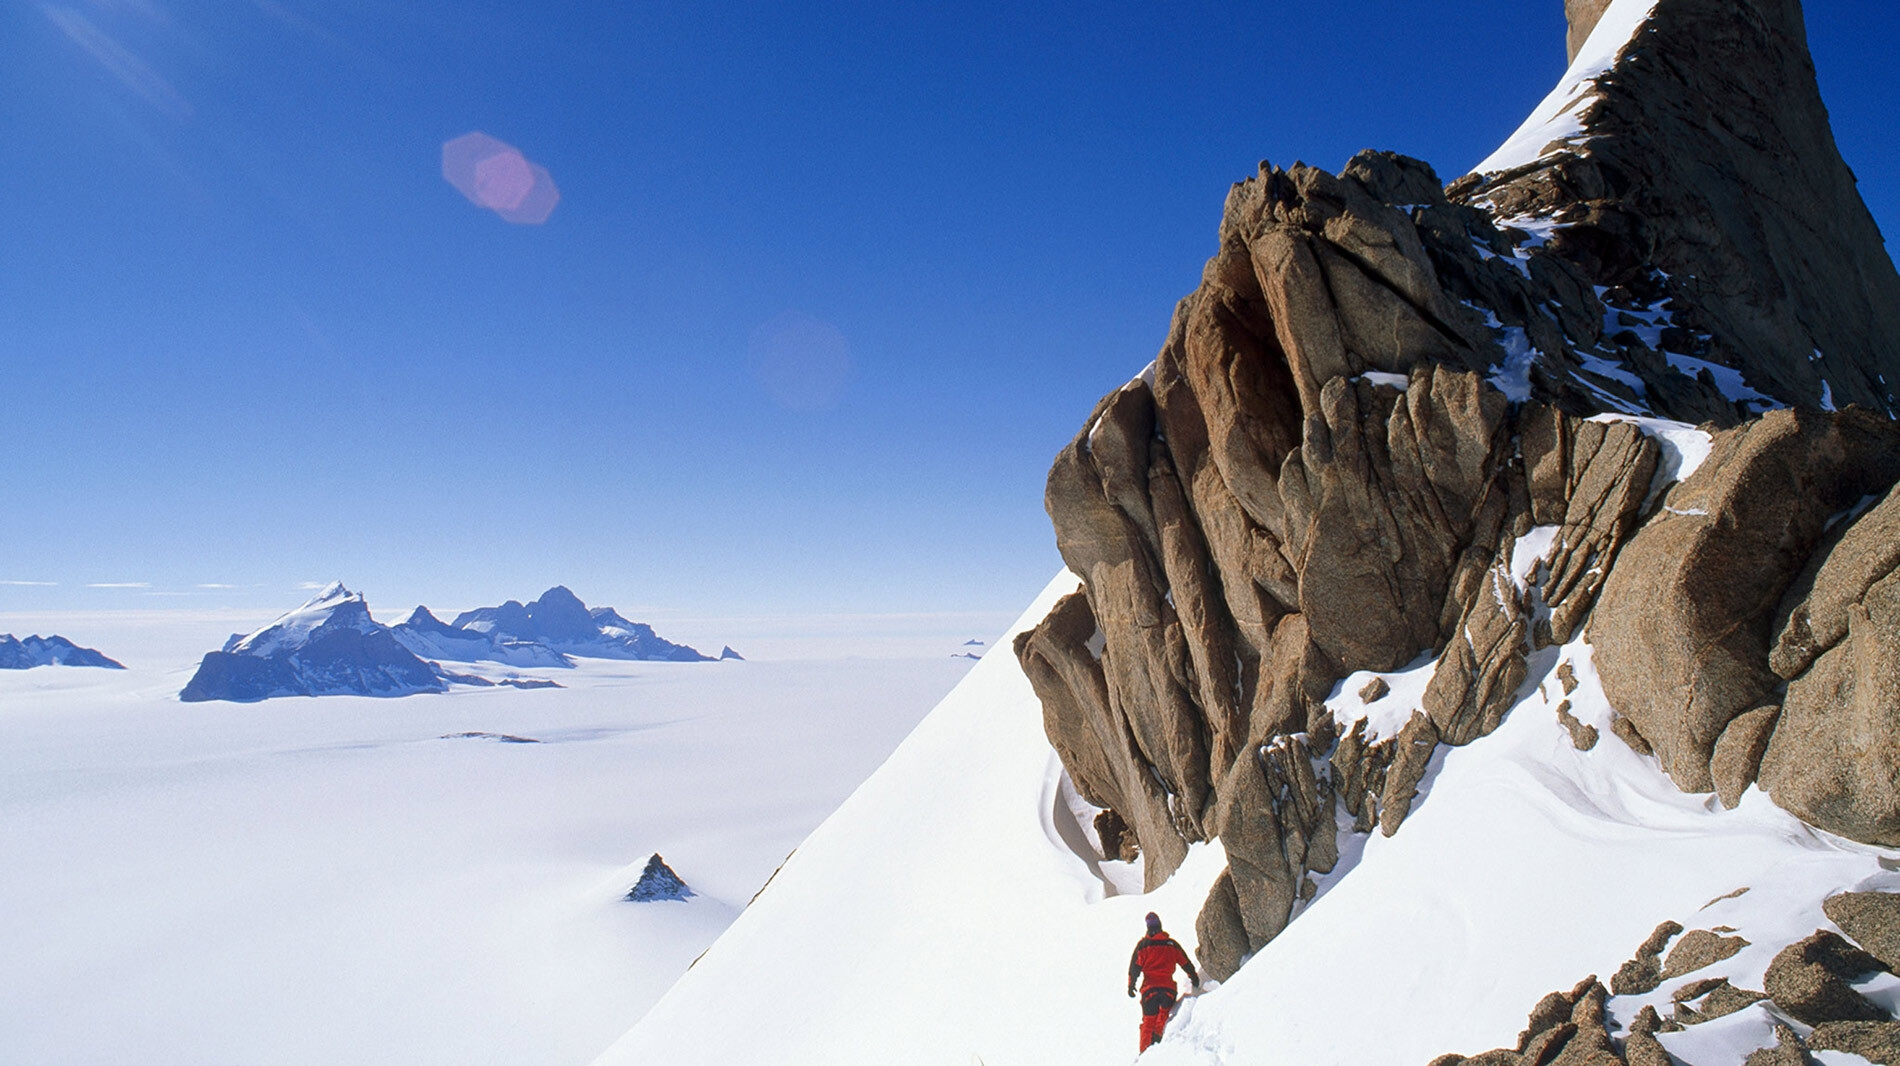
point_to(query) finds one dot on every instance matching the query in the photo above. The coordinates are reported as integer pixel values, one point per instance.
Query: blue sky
(250, 337)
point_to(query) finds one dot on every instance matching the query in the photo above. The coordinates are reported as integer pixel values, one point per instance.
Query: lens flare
(493, 174)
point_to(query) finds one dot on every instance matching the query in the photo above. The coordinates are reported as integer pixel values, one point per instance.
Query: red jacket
(1154, 961)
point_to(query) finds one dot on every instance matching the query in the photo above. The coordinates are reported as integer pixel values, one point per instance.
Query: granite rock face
(1397, 422)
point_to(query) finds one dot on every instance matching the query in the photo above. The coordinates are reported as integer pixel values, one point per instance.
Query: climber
(1156, 956)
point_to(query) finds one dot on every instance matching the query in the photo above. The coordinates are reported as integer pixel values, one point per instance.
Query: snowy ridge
(1558, 118)
(1526, 865)
(333, 608)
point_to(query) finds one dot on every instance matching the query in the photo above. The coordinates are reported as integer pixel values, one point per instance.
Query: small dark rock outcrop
(658, 883)
(48, 651)
(1565, 1029)
(1643, 972)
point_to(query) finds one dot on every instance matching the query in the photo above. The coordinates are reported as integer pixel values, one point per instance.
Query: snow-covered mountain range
(332, 646)
(560, 621)
(431, 638)
(48, 651)
(1485, 607)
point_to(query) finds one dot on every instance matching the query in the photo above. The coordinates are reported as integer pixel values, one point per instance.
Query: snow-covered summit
(334, 607)
(328, 646)
(431, 638)
(48, 651)
(562, 622)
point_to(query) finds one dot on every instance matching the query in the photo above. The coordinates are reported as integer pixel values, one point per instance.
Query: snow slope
(947, 914)
(1558, 117)
(308, 882)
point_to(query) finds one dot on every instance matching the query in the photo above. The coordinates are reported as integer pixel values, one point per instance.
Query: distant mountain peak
(328, 646)
(562, 621)
(52, 650)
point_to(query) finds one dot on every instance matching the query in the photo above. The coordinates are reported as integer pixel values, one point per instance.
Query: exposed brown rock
(1583, 16)
(1116, 841)
(1718, 999)
(1788, 1051)
(1412, 754)
(1095, 745)
(1564, 1029)
(1625, 731)
(1877, 1042)
(1642, 1048)
(1582, 737)
(1871, 920)
(1738, 753)
(1590, 480)
(1834, 757)
(1643, 972)
(1713, 104)
(1374, 689)
(1222, 943)
(1699, 948)
(1809, 980)
(1681, 627)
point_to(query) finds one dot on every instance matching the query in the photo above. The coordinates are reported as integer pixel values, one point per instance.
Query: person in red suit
(1156, 956)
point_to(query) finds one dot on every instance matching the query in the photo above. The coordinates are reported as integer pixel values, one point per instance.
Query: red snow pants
(1157, 1006)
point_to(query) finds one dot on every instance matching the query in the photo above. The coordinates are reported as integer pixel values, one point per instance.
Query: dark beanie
(1154, 922)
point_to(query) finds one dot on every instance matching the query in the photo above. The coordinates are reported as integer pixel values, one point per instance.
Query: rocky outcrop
(1710, 172)
(1834, 756)
(1396, 423)
(658, 883)
(1683, 626)
(1877, 1042)
(1786, 1051)
(1564, 1028)
(1643, 972)
(1810, 980)
(1871, 920)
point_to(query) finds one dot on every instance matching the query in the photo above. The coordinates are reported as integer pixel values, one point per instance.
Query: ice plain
(344, 880)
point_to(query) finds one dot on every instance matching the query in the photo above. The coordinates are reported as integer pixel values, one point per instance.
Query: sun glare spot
(493, 174)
